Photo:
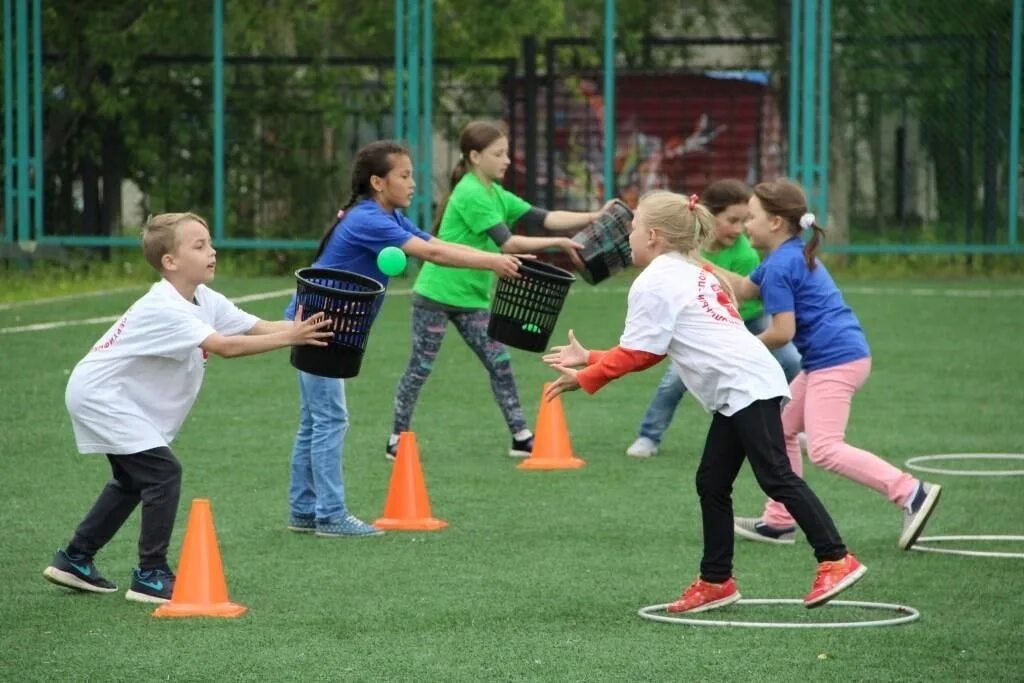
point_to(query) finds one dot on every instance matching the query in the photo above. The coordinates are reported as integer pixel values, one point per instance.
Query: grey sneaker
(642, 448)
(753, 529)
(301, 524)
(78, 572)
(348, 526)
(925, 498)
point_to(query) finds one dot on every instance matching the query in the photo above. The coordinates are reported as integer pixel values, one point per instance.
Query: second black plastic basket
(606, 244)
(350, 300)
(525, 309)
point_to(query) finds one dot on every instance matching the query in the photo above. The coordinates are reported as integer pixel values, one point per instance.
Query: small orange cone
(408, 507)
(200, 589)
(551, 447)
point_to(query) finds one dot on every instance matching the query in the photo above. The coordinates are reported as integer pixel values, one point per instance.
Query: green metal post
(398, 107)
(795, 29)
(824, 110)
(413, 126)
(8, 125)
(1014, 161)
(427, 144)
(218, 119)
(807, 154)
(23, 151)
(37, 117)
(609, 99)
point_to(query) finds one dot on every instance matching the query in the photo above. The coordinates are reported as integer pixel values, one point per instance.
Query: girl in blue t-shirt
(382, 185)
(807, 308)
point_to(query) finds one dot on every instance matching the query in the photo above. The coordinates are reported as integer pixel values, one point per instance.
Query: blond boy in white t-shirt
(679, 309)
(133, 390)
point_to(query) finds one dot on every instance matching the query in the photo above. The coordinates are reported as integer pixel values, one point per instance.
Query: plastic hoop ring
(907, 615)
(912, 463)
(968, 553)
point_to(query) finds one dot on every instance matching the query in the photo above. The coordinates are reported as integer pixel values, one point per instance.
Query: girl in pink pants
(807, 308)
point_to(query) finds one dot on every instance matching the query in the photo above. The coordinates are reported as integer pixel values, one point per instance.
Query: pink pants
(821, 408)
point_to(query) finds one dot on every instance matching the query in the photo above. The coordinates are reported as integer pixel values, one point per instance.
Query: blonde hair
(160, 235)
(682, 225)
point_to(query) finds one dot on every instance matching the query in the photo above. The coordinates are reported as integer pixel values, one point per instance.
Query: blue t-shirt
(827, 331)
(359, 237)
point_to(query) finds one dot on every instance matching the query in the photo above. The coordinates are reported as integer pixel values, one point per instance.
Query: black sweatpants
(151, 477)
(754, 433)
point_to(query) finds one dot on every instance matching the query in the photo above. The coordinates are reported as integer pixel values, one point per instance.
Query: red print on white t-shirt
(721, 298)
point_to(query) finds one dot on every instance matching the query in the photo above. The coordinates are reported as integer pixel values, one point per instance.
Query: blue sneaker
(301, 524)
(78, 572)
(151, 585)
(348, 526)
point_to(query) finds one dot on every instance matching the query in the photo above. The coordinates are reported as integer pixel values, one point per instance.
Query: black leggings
(754, 433)
(151, 477)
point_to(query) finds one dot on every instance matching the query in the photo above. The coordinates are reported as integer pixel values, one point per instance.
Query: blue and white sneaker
(301, 524)
(78, 572)
(151, 585)
(348, 526)
(920, 509)
(753, 529)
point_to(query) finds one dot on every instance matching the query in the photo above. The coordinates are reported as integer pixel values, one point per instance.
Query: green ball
(391, 261)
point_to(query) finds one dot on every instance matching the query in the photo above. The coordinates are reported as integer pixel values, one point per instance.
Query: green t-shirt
(472, 210)
(740, 258)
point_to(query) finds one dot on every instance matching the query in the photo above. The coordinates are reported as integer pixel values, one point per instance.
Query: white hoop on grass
(968, 537)
(907, 615)
(912, 463)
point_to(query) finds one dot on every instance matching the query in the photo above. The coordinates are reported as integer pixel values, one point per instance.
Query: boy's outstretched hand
(569, 356)
(567, 382)
(312, 331)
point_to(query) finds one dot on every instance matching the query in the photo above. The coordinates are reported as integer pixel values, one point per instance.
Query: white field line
(69, 297)
(260, 296)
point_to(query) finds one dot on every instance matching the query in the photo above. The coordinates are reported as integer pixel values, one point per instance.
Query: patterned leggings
(428, 328)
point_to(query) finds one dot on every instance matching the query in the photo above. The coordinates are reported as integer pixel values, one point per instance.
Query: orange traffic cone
(551, 447)
(200, 589)
(408, 507)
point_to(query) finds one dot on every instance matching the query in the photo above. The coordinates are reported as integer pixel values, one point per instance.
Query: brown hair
(476, 137)
(374, 159)
(786, 199)
(160, 235)
(721, 194)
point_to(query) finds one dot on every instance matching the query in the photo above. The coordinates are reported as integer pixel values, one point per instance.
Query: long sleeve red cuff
(604, 366)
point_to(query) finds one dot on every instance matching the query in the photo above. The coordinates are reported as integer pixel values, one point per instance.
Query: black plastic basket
(525, 309)
(605, 244)
(350, 300)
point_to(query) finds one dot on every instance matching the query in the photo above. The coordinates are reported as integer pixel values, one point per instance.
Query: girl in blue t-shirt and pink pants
(807, 308)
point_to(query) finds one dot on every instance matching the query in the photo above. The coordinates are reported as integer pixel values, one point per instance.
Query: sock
(393, 440)
(522, 435)
(75, 552)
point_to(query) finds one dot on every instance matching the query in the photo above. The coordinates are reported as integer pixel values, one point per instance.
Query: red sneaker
(833, 578)
(702, 596)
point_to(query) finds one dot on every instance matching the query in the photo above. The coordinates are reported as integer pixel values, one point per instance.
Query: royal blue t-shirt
(359, 237)
(827, 331)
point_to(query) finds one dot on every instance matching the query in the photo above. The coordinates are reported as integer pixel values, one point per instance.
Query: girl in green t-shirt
(478, 213)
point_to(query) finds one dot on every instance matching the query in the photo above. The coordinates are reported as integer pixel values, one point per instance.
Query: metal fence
(921, 113)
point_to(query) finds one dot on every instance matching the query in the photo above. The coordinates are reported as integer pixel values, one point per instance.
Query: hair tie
(691, 204)
(807, 221)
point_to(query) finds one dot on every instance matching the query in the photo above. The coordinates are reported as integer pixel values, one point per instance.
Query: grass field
(540, 574)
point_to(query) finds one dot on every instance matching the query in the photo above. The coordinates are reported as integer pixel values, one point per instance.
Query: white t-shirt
(133, 390)
(675, 310)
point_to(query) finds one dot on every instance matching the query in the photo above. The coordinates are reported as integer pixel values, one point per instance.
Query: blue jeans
(317, 488)
(671, 389)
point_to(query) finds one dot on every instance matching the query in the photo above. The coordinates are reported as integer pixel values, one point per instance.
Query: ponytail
(456, 176)
(808, 222)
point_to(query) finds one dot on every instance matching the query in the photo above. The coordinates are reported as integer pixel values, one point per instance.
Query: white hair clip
(807, 221)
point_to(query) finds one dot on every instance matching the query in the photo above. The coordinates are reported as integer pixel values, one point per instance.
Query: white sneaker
(642, 448)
